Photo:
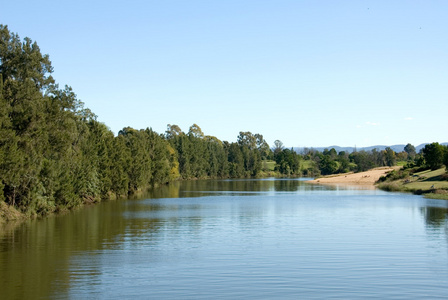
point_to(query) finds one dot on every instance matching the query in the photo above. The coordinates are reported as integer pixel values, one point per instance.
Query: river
(234, 239)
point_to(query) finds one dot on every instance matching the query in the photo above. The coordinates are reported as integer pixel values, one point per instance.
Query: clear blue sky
(309, 73)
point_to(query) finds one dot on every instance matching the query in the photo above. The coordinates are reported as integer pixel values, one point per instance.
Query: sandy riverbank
(362, 178)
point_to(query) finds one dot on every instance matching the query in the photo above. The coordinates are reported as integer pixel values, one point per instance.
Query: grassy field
(401, 163)
(268, 165)
(306, 164)
(426, 180)
(431, 183)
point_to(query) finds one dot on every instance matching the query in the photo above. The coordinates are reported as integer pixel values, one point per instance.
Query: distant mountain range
(396, 148)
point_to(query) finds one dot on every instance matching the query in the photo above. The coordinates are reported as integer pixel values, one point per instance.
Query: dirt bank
(361, 178)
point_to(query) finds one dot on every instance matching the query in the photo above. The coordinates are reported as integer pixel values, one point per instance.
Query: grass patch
(309, 168)
(266, 174)
(436, 196)
(391, 187)
(426, 185)
(268, 165)
(431, 174)
(427, 180)
(306, 164)
(9, 213)
(430, 183)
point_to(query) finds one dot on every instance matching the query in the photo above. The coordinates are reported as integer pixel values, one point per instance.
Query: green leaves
(434, 155)
(288, 162)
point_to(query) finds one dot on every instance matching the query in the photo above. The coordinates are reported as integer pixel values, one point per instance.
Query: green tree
(328, 165)
(199, 164)
(164, 164)
(195, 131)
(247, 139)
(390, 157)
(263, 147)
(344, 162)
(102, 139)
(120, 155)
(363, 160)
(55, 155)
(331, 153)
(410, 150)
(217, 158)
(173, 131)
(278, 146)
(139, 171)
(236, 161)
(25, 76)
(433, 155)
(287, 162)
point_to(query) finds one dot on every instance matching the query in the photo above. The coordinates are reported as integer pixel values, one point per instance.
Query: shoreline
(9, 214)
(366, 178)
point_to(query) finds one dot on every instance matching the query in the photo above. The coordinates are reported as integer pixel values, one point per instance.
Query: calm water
(244, 239)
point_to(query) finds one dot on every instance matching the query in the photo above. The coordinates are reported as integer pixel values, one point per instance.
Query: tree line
(432, 156)
(56, 155)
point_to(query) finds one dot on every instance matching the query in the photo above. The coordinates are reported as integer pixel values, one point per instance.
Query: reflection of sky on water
(251, 187)
(350, 243)
(213, 238)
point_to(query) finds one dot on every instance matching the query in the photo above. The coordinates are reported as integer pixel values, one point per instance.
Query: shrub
(394, 175)
(382, 179)
(390, 187)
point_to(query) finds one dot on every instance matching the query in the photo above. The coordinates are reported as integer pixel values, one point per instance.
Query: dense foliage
(54, 154)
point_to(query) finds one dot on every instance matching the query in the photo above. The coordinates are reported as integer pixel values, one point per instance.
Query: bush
(390, 187)
(382, 179)
(394, 175)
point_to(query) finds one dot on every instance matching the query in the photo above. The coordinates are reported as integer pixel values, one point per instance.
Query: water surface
(249, 239)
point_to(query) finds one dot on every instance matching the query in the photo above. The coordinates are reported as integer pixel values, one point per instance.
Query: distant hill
(396, 148)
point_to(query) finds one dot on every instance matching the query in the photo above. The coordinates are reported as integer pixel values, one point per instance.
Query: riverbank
(430, 183)
(9, 213)
(367, 178)
(419, 183)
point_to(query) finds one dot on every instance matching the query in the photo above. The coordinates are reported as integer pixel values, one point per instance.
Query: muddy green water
(234, 239)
